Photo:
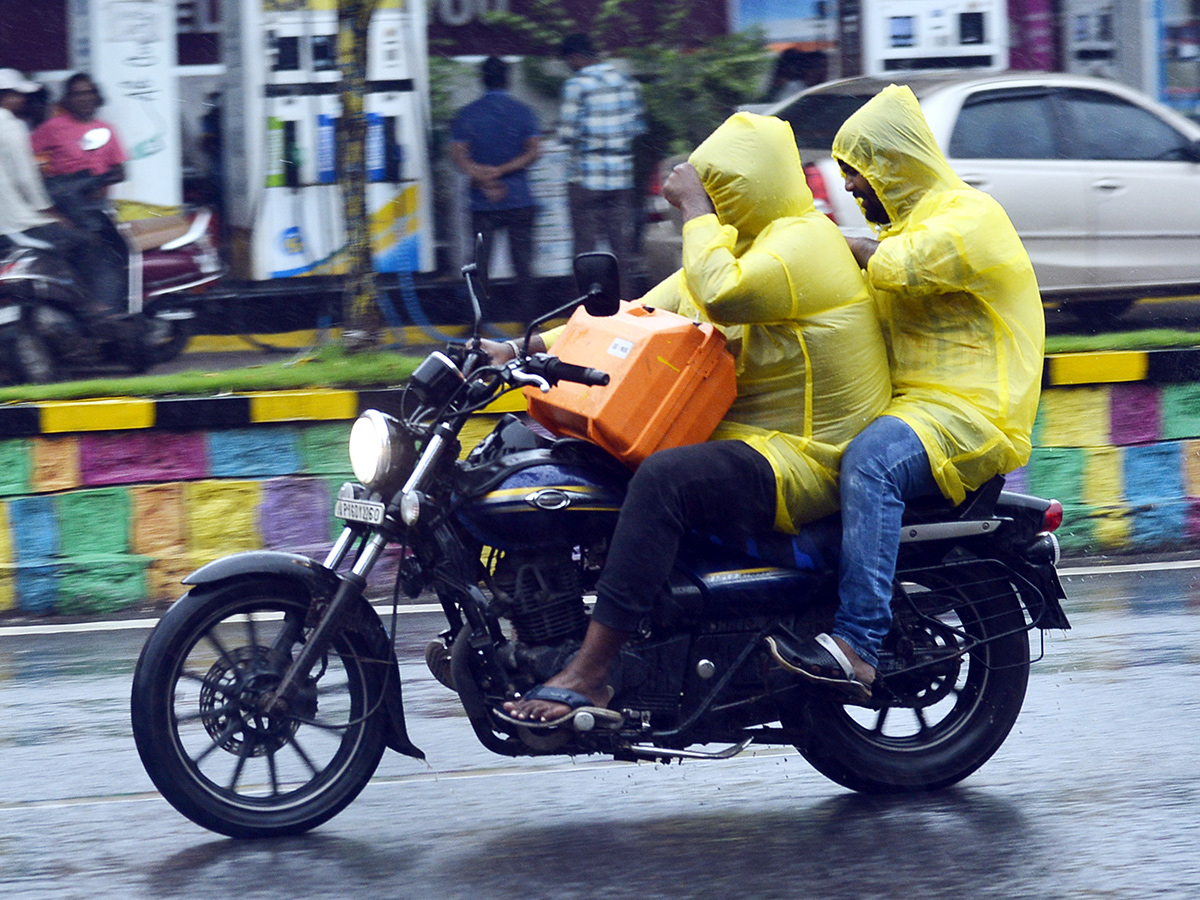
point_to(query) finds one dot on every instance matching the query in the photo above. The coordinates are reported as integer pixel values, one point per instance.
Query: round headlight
(372, 448)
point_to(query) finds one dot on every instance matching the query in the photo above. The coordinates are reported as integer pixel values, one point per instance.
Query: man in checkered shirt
(601, 114)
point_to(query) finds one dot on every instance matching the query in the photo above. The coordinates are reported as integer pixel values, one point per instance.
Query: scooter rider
(26, 213)
(80, 150)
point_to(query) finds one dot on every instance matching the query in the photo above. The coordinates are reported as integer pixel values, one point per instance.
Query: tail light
(816, 184)
(1053, 517)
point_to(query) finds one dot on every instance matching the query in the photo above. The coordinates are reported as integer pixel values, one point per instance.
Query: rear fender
(320, 584)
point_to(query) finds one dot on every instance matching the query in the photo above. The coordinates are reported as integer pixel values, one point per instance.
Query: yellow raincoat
(779, 279)
(956, 295)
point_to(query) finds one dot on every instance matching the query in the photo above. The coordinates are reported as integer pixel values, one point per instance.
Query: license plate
(367, 511)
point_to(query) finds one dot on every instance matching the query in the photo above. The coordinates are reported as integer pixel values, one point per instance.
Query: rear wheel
(953, 673)
(212, 737)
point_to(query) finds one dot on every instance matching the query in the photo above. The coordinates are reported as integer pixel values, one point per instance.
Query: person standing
(600, 115)
(495, 140)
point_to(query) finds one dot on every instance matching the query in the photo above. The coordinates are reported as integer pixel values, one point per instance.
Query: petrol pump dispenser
(283, 109)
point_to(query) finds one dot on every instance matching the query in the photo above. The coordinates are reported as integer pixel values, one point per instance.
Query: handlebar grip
(557, 370)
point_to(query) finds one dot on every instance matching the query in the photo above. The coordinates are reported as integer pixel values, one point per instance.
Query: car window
(1108, 127)
(815, 118)
(1005, 125)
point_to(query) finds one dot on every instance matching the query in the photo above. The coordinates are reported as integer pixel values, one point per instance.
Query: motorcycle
(43, 303)
(266, 696)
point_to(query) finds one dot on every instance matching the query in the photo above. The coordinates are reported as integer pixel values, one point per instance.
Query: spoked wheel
(214, 738)
(953, 672)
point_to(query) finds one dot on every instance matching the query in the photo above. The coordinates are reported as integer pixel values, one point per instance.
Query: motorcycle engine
(545, 593)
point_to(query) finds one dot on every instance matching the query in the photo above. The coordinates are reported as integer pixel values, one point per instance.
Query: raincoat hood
(890, 144)
(751, 169)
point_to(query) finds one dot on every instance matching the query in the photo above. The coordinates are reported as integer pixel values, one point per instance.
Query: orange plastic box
(671, 382)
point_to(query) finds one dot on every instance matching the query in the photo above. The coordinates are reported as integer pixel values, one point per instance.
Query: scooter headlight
(375, 449)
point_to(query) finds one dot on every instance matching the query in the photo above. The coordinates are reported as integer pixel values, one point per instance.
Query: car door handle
(975, 181)
(1108, 185)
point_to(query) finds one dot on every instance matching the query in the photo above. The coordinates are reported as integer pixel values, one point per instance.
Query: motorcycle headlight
(376, 448)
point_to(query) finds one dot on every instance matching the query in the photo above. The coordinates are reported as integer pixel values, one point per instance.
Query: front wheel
(213, 738)
(953, 674)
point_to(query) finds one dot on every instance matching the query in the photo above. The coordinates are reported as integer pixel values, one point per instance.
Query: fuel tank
(521, 491)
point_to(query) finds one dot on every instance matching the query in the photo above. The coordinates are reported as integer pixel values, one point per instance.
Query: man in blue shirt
(494, 140)
(600, 115)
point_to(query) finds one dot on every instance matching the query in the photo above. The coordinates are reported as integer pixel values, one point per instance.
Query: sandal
(578, 703)
(819, 660)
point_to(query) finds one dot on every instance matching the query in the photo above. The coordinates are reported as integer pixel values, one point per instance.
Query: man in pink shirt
(68, 141)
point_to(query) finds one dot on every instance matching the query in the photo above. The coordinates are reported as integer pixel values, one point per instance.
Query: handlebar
(557, 370)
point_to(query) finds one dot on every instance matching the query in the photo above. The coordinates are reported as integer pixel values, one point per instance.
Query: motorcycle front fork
(349, 590)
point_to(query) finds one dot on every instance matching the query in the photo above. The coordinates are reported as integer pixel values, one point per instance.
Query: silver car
(1102, 183)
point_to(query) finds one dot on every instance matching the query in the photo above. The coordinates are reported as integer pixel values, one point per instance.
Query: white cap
(12, 80)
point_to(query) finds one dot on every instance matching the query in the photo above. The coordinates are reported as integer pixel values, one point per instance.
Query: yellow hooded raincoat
(779, 279)
(956, 295)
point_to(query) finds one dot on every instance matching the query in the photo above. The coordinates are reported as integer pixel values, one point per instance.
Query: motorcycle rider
(26, 212)
(776, 275)
(963, 321)
(75, 144)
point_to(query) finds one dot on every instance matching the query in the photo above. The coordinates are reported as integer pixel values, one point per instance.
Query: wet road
(1096, 794)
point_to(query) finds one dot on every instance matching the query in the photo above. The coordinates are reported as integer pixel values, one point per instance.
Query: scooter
(44, 329)
(265, 697)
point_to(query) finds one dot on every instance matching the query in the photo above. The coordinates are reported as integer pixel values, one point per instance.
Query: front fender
(321, 584)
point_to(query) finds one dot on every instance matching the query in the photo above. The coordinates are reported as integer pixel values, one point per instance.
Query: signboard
(129, 48)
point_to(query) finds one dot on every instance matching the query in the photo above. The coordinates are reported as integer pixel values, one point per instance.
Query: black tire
(935, 725)
(31, 359)
(216, 756)
(166, 339)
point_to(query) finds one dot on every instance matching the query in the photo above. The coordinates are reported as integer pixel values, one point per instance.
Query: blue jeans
(884, 466)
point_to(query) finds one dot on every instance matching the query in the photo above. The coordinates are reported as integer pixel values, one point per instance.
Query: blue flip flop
(577, 702)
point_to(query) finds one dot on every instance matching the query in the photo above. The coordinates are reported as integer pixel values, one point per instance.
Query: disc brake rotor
(233, 701)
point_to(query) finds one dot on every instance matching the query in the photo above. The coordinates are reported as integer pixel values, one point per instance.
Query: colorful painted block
(8, 594)
(253, 452)
(1103, 476)
(1136, 414)
(159, 520)
(1159, 526)
(14, 467)
(55, 464)
(1057, 472)
(1154, 473)
(1180, 411)
(294, 512)
(34, 526)
(94, 521)
(222, 517)
(1074, 417)
(165, 574)
(323, 449)
(91, 584)
(142, 457)
(36, 584)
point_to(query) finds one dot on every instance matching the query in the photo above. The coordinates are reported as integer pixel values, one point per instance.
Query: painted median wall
(106, 505)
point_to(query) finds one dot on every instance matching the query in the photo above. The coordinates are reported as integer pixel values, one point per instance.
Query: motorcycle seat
(150, 234)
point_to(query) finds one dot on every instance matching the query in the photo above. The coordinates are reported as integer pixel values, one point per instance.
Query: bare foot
(544, 710)
(863, 671)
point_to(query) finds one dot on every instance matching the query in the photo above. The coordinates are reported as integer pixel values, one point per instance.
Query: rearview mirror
(598, 279)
